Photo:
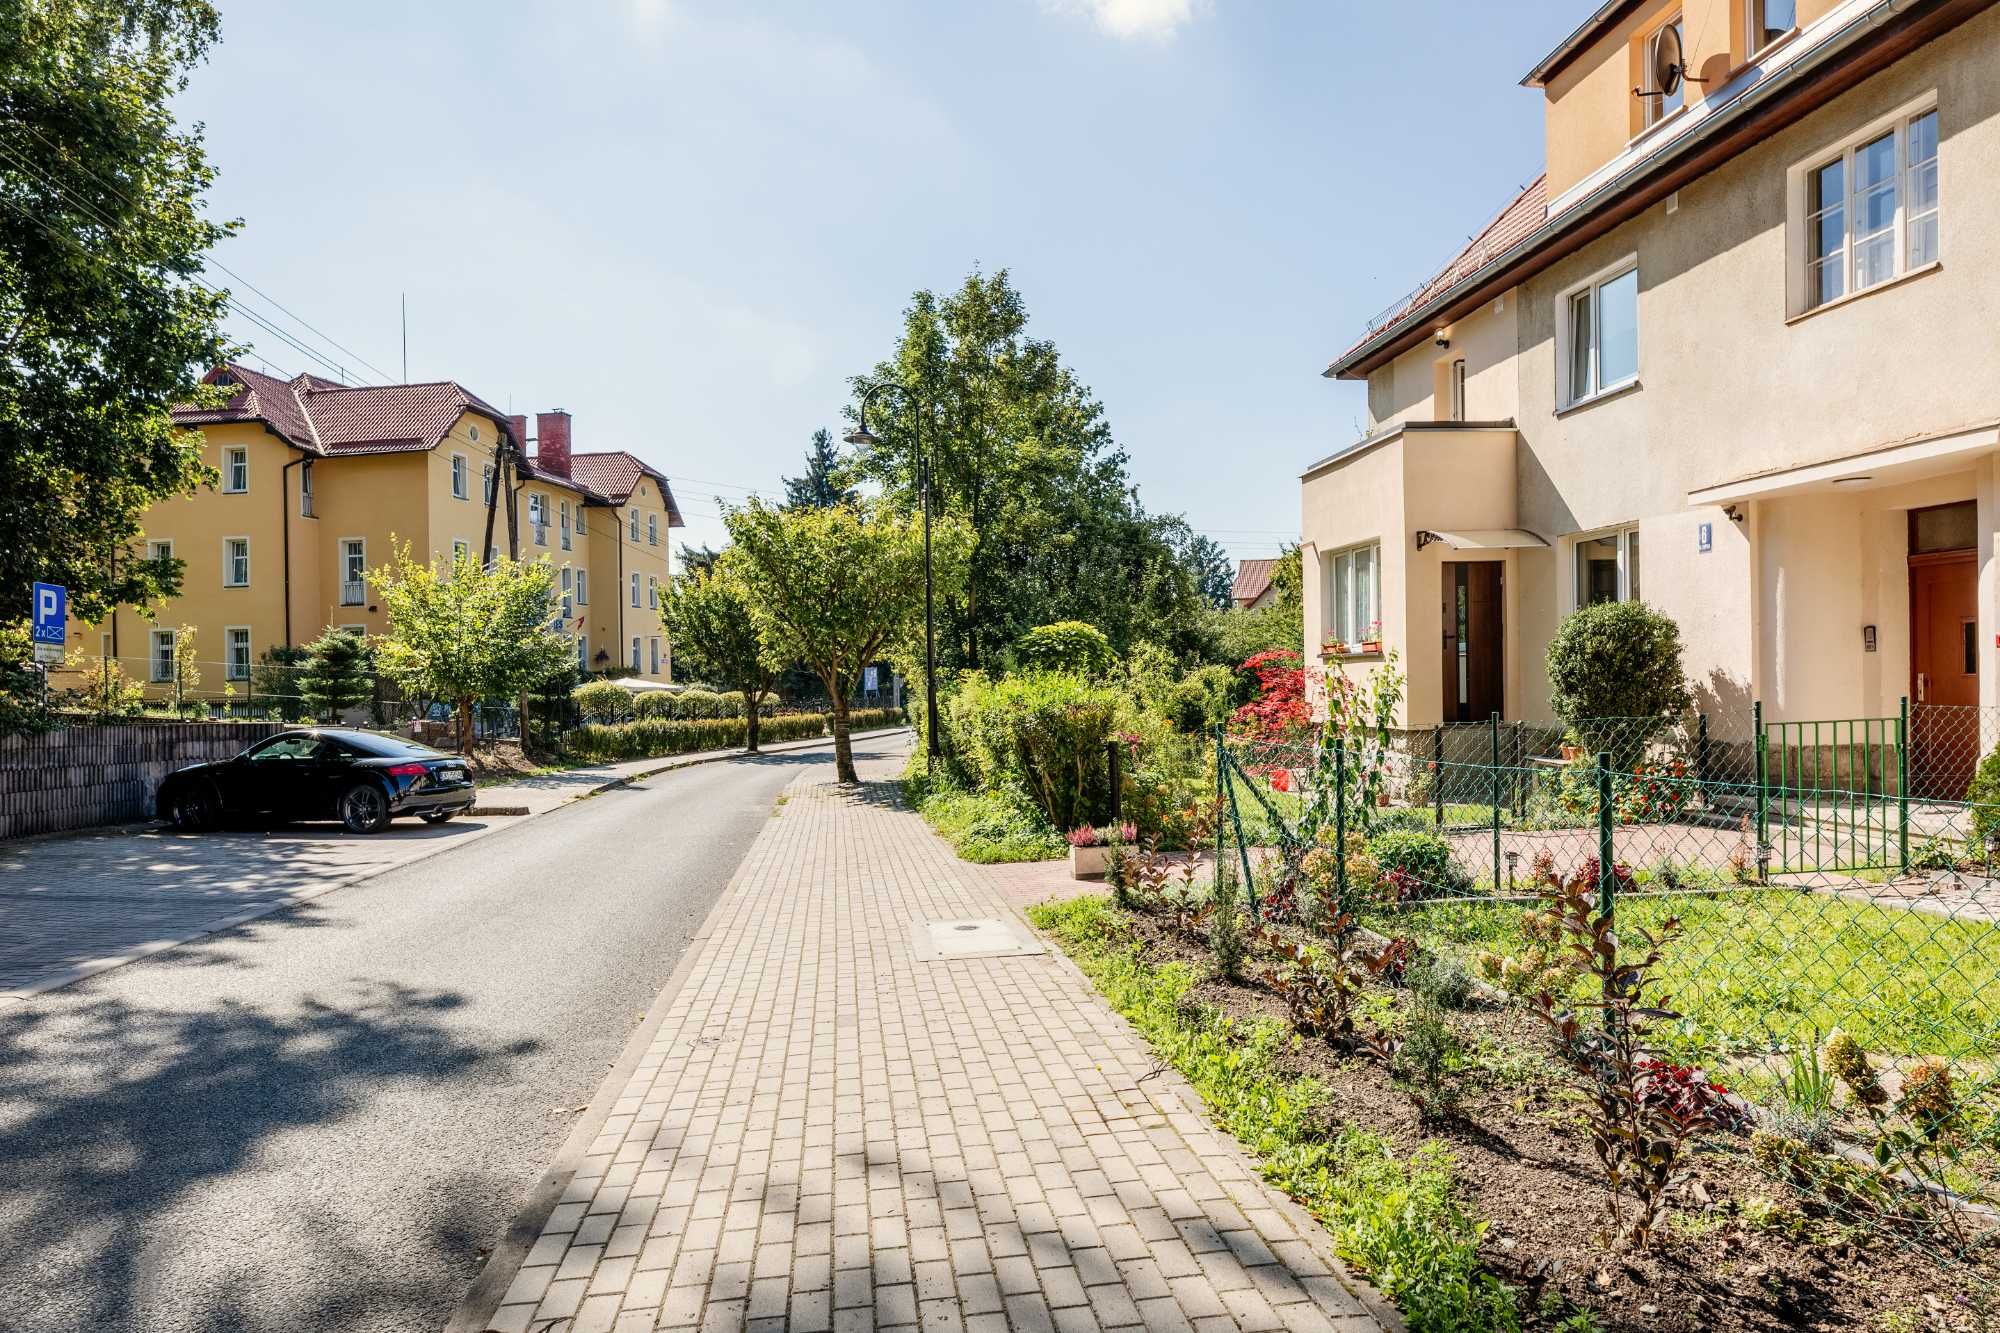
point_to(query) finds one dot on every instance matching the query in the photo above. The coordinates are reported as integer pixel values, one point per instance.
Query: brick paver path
(828, 1133)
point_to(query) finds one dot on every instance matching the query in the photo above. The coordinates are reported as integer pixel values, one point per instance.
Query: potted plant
(1371, 638)
(1087, 853)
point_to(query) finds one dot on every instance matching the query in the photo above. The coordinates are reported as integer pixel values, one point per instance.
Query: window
(1669, 44)
(461, 478)
(486, 485)
(635, 590)
(1869, 211)
(538, 517)
(583, 587)
(1952, 527)
(353, 571)
(568, 589)
(160, 548)
(576, 521)
(652, 657)
(1598, 335)
(1352, 594)
(652, 592)
(235, 562)
(163, 656)
(563, 525)
(652, 530)
(236, 652)
(1770, 20)
(306, 489)
(635, 525)
(235, 471)
(460, 549)
(583, 652)
(472, 432)
(635, 652)
(1607, 567)
(1458, 389)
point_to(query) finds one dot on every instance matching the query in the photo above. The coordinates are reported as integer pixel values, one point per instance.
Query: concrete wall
(82, 777)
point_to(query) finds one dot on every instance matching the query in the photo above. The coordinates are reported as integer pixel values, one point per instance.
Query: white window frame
(229, 660)
(235, 460)
(653, 656)
(1655, 106)
(306, 488)
(461, 477)
(160, 548)
(576, 519)
(652, 593)
(1753, 39)
(564, 527)
(538, 519)
(635, 652)
(635, 529)
(155, 672)
(486, 484)
(583, 587)
(1567, 395)
(1339, 592)
(1626, 534)
(1456, 375)
(360, 547)
(229, 580)
(460, 548)
(583, 652)
(652, 529)
(568, 592)
(1798, 178)
(635, 589)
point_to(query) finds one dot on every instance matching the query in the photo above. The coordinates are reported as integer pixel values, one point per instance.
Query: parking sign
(51, 622)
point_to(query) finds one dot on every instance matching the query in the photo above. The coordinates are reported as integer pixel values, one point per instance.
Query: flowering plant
(1086, 836)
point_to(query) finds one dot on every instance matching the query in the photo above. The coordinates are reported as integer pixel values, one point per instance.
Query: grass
(1397, 1218)
(1781, 966)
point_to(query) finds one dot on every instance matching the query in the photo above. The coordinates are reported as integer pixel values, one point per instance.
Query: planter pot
(1087, 862)
(1371, 645)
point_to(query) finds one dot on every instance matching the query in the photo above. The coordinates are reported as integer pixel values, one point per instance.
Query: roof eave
(1551, 64)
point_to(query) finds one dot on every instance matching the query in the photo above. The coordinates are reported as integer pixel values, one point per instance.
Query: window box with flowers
(1353, 596)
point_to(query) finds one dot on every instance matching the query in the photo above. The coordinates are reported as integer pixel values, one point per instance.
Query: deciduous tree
(707, 618)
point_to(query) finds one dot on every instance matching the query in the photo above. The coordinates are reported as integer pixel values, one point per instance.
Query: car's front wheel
(196, 808)
(364, 808)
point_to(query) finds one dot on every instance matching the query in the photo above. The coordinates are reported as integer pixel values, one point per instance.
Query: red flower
(1281, 779)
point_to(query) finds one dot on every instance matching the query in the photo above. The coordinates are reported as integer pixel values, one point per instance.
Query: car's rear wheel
(437, 816)
(364, 808)
(196, 808)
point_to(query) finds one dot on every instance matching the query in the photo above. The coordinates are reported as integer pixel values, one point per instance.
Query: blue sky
(690, 221)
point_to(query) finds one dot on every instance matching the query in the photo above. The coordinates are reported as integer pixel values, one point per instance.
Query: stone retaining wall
(81, 777)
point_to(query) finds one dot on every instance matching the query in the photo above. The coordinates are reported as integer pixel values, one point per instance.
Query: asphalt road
(320, 1120)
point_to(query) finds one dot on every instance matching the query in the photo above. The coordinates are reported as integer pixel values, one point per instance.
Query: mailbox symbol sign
(51, 613)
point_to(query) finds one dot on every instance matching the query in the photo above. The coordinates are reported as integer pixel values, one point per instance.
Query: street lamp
(861, 435)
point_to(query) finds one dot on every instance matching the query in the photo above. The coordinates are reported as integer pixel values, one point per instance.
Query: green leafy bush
(1423, 857)
(654, 737)
(1204, 698)
(602, 702)
(1067, 645)
(700, 704)
(1984, 794)
(1616, 660)
(1045, 733)
(652, 704)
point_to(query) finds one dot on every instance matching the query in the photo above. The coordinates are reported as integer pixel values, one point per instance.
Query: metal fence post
(1701, 755)
(1606, 852)
(1519, 784)
(1111, 757)
(1340, 823)
(1242, 848)
(1903, 786)
(1437, 774)
(1493, 728)
(1763, 787)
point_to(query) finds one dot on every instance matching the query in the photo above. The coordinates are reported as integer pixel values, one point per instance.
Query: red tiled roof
(1252, 578)
(613, 473)
(1529, 209)
(324, 417)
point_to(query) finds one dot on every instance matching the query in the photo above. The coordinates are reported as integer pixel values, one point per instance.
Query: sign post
(51, 623)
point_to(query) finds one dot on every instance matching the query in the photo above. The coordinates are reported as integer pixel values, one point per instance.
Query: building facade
(1728, 355)
(321, 482)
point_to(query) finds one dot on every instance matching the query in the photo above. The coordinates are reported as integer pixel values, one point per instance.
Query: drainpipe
(619, 514)
(285, 537)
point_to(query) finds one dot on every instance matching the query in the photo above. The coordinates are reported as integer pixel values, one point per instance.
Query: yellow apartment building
(320, 482)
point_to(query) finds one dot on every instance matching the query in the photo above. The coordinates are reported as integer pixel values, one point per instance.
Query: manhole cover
(932, 941)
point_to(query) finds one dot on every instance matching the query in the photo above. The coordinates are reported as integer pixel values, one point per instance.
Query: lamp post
(861, 435)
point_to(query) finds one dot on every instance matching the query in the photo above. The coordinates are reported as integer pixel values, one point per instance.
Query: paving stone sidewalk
(828, 1133)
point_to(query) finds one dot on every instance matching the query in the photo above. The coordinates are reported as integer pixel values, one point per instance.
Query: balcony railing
(353, 592)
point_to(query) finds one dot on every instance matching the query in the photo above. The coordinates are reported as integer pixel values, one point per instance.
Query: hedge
(653, 737)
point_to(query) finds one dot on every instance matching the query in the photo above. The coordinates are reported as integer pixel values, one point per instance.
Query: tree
(478, 633)
(817, 488)
(695, 559)
(1214, 572)
(836, 587)
(1240, 634)
(1615, 675)
(187, 674)
(707, 618)
(1022, 453)
(103, 325)
(336, 675)
(275, 679)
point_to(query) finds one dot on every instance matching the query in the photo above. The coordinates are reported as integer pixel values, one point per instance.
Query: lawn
(1767, 967)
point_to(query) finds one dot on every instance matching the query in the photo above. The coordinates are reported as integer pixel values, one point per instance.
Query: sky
(690, 222)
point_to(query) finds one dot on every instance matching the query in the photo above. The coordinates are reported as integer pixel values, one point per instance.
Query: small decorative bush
(601, 701)
(1439, 980)
(653, 704)
(1086, 836)
(1984, 795)
(697, 705)
(1067, 645)
(1622, 661)
(1423, 857)
(1046, 733)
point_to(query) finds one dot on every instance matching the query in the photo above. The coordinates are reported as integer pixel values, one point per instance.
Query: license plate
(451, 775)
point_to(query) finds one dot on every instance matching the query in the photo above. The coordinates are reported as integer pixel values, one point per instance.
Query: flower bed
(1460, 1175)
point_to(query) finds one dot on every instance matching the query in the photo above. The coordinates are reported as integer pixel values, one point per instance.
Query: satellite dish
(1669, 61)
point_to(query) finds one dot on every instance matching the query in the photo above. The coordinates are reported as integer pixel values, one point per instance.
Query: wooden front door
(1944, 672)
(1472, 640)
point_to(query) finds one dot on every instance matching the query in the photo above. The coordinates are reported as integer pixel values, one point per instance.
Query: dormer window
(1666, 74)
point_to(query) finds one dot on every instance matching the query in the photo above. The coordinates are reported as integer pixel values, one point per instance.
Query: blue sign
(1704, 537)
(51, 613)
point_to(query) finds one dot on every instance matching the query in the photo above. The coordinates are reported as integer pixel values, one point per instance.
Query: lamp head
(861, 435)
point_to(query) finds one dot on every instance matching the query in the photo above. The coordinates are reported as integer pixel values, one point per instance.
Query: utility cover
(937, 941)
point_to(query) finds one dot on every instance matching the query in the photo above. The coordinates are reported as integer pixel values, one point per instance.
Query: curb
(93, 967)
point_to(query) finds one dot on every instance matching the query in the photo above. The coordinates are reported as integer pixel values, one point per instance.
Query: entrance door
(1944, 673)
(1472, 640)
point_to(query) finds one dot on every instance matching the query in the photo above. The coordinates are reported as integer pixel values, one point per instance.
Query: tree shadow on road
(112, 1114)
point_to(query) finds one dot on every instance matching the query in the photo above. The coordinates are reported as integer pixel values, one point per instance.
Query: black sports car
(362, 778)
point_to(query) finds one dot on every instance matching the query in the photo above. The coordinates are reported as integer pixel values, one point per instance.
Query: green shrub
(1984, 794)
(1044, 733)
(699, 705)
(601, 701)
(1067, 645)
(652, 704)
(1424, 857)
(654, 737)
(1440, 980)
(733, 703)
(1617, 660)
(1203, 699)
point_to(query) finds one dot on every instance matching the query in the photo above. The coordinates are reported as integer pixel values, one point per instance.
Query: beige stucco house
(1732, 354)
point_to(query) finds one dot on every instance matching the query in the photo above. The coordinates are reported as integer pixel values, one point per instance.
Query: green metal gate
(1834, 795)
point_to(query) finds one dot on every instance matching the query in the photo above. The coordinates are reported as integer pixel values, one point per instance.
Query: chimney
(520, 426)
(552, 442)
